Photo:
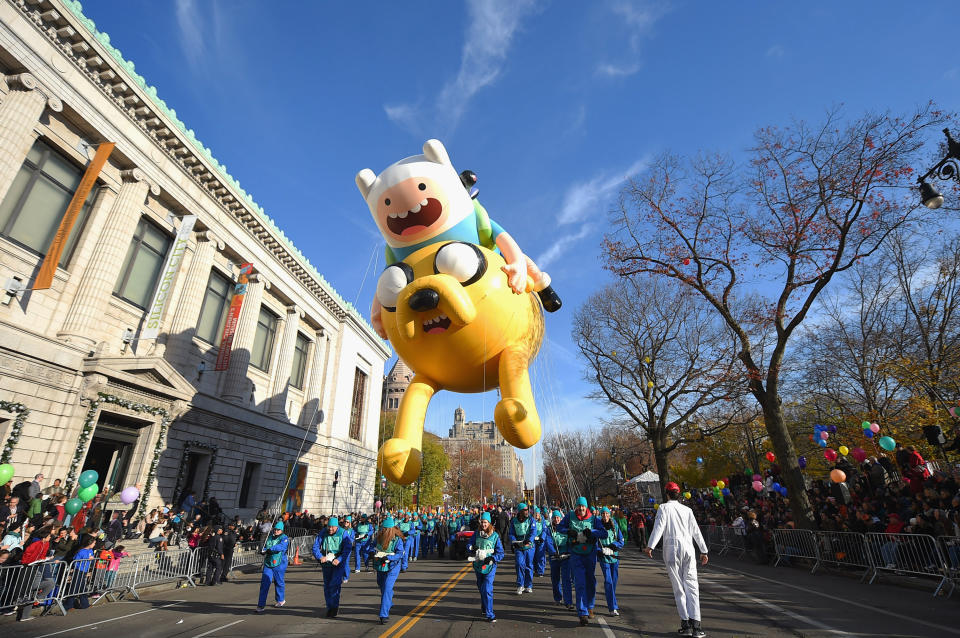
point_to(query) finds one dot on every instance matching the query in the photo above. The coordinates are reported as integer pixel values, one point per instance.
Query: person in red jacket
(41, 583)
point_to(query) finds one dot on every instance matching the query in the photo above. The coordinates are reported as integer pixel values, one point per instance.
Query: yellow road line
(425, 605)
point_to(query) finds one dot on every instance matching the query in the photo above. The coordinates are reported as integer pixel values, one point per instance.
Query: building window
(251, 476)
(356, 408)
(141, 268)
(262, 348)
(30, 213)
(299, 369)
(213, 312)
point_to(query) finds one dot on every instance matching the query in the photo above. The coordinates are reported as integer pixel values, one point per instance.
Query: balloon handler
(583, 529)
(387, 561)
(421, 200)
(677, 526)
(609, 558)
(558, 549)
(274, 566)
(520, 532)
(330, 548)
(486, 551)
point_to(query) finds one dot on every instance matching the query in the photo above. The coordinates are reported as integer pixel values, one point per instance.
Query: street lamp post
(336, 479)
(948, 168)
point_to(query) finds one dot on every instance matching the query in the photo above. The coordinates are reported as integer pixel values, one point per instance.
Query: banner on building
(233, 315)
(49, 266)
(293, 499)
(168, 275)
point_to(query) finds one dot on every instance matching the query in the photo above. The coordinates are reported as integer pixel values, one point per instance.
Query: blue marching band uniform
(570, 544)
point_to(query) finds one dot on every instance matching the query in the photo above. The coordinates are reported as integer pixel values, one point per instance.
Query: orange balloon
(838, 476)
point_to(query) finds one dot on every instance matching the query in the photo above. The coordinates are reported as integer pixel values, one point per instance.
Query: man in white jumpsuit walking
(678, 528)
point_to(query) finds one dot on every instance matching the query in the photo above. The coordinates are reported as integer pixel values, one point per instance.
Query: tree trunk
(790, 471)
(661, 456)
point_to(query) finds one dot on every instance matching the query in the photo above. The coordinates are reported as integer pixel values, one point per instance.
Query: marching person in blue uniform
(609, 558)
(487, 550)
(332, 546)
(387, 560)
(405, 526)
(415, 527)
(539, 543)
(558, 548)
(453, 526)
(583, 529)
(520, 535)
(348, 529)
(274, 567)
(363, 535)
(430, 535)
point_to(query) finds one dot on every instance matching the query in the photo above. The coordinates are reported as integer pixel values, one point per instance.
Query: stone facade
(71, 354)
(503, 458)
(394, 385)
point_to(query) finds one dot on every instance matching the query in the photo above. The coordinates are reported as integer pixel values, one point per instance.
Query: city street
(439, 598)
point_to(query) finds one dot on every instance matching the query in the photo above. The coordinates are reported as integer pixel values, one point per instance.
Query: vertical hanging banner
(233, 315)
(49, 266)
(167, 276)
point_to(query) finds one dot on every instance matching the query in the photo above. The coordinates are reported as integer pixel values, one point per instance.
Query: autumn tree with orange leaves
(760, 241)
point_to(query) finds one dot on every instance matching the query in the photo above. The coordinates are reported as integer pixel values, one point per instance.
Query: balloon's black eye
(422, 187)
(387, 201)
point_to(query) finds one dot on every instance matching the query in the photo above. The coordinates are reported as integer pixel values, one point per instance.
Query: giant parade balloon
(459, 301)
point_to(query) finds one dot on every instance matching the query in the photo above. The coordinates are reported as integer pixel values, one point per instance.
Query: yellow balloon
(687, 495)
(844, 450)
(646, 359)
(649, 384)
(721, 484)
(656, 506)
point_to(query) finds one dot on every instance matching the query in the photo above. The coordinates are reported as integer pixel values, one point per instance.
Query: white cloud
(191, 31)
(560, 246)
(776, 51)
(586, 198)
(638, 18)
(490, 32)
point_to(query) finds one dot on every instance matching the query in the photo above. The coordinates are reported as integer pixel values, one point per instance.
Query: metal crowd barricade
(245, 554)
(845, 549)
(950, 545)
(713, 537)
(79, 583)
(734, 540)
(914, 554)
(36, 583)
(790, 544)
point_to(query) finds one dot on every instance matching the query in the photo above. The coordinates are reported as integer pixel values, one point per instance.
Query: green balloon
(73, 506)
(887, 443)
(88, 478)
(87, 493)
(6, 473)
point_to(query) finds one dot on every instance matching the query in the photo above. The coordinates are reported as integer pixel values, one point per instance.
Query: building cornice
(62, 22)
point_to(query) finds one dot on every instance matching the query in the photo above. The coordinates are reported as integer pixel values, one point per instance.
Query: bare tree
(760, 243)
(656, 353)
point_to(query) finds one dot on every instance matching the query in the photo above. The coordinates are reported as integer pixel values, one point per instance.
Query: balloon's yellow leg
(400, 457)
(516, 414)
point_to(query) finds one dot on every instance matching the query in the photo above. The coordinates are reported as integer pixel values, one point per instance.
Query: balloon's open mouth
(437, 325)
(411, 222)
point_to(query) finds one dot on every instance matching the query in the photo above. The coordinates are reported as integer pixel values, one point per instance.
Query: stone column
(101, 272)
(183, 324)
(281, 377)
(20, 110)
(313, 396)
(235, 386)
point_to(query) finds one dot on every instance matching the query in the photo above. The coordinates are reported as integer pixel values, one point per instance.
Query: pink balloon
(824, 435)
(953, 412)
(874, 428)
(377, 504)
(858, 454)
(758, 486)
(757, 477)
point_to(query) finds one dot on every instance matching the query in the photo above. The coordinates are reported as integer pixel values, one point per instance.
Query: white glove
(330, 557)
(381, 554)
(607, 551)
(563, 556)
(471, 559)
(581, 537)
(482, 553)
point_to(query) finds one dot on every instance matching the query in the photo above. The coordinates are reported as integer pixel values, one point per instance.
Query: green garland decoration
(89, 423)
(21, 411)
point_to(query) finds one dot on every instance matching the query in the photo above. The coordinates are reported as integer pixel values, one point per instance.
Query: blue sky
(553, 104)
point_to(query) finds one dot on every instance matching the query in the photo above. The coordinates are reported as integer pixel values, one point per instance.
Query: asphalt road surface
(438, 598)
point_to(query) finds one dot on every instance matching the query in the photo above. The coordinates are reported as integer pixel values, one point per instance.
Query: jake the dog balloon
(463, 316)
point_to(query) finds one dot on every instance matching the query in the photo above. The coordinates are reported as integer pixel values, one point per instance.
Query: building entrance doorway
(114, 442)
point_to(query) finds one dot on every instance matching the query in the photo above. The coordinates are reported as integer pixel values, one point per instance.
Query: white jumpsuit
(678, 528)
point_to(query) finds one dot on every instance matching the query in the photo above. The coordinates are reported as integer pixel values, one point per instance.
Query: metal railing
(845, 549)
(793, 544)
(913, 554)
(57, 585)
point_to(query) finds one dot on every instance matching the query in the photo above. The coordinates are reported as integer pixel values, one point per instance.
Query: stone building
(503, 458)
(394, 385)
(83, 384)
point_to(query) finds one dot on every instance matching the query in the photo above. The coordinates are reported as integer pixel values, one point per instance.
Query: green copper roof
(76, 9)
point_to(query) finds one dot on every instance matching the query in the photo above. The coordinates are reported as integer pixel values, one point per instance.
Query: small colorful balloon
(844, 450)
(771, 456)
(700, 460)
(758, 486)
(6, 473)
(824, 435)
(89, 477)
(721, 484)
(830, 454)
(887, 443)
(838, 476)
(129, 495)
(802, 462)
(73, 506)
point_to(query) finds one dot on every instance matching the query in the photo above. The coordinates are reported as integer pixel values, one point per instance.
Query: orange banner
(233, 316)
(49, 266)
